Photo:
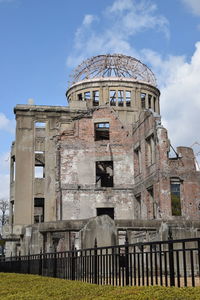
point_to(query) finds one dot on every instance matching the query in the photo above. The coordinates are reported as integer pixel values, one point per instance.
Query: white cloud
(88, 19)
(136, 16)
(193, 5)
(115, 29)
(4, 175)
(4, 186)
(6, 124)
(5, 162)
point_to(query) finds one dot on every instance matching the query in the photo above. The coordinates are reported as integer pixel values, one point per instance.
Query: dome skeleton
(113, 65)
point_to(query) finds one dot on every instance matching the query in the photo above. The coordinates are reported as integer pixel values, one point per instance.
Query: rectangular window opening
(138, 206)
(113, 98)
(102, 131)
(150, 143)
(149, 101)
(106, 211)
(38, 210)
(120, 98)
(95, 97)
(87, 96)
(128, 98)
(143, 98)
(39, 164)
(13, 168)
(137, 161)
(104, 173)
(175, 197)
(40, 125)
(154, 103)
(80, 97)
(152, 202)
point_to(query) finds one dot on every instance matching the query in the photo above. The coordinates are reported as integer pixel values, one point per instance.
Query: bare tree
(4, 205)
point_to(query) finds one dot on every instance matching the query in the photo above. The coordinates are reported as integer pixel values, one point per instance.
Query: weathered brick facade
(107, 153)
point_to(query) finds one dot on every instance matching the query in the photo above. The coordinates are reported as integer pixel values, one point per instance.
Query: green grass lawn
(33, 287)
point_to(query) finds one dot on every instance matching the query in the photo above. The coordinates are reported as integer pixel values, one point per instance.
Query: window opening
(12, 210)
(154, 103)
(39, 164)
(138, 161)
(143, 97)
(106, 211)
(80, 97)
(13, 168)
(149, 101)
(120, 98)
(138, 206)
(128, 98)
(95, 98)
(102, 131)
(104, 173)
(40, 124)
(87, 96)
(175, 197)
(150, 150)
(113, 98)
(38, 210)
(152, 202)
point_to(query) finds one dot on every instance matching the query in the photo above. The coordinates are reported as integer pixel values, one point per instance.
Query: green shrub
(33, 287)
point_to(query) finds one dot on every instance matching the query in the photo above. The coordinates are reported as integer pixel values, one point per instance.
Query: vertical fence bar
(178, 268)
(28, 267)
(147, 268)
(171, 263)
(160, 259)
(138, 265)
(155, 263)
(19, 262)
(127, 260)
(151, 264)
(198, 244)
(107, 274)
(131, 267)
(192, 267)
(73, 263)
(113, 266)
(184, 264)
(95, 261)
(142, 262)
(134, 264)
(116, 265)
(40, 263)
(165, 264)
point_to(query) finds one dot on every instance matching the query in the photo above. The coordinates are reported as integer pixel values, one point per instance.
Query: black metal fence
(168, 263)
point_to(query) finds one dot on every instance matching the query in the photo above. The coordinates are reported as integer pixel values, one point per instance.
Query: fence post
(95, 261)
(127, 259)
(171, 258)
(55, 263)
(73, 263)
(40, 262)
(199, 256)
(19, 262)
(28, 270)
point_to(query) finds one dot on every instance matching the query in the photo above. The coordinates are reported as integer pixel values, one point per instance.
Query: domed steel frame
(113, 65)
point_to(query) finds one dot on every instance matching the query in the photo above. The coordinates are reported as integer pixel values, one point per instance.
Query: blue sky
(41, 41)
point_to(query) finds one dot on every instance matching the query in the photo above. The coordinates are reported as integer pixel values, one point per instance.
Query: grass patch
(34, 287)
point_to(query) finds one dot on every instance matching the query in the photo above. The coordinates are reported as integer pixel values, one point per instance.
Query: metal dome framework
(113, 65)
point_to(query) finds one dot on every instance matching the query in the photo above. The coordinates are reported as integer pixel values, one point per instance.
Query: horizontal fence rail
(167, 263)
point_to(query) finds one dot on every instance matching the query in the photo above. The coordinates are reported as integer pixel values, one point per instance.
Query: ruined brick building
(105, 153)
